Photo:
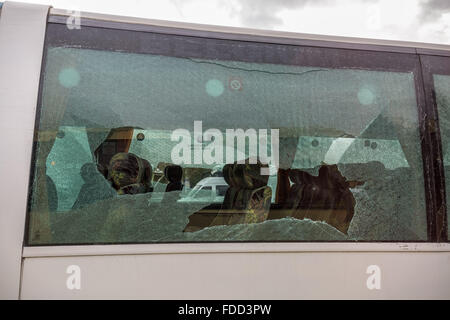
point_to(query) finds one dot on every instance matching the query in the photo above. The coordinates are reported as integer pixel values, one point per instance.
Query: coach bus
(163, 160)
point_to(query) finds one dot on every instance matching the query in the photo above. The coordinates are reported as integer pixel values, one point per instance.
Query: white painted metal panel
(22, 31)
(244, 275)
(264, 247)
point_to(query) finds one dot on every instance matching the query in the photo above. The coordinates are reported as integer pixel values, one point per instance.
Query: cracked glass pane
(144, 148)
(442, 89)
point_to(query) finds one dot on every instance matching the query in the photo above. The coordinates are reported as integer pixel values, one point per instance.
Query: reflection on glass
(349, 166)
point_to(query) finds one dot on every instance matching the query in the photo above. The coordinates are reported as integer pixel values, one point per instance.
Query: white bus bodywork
(178, 271)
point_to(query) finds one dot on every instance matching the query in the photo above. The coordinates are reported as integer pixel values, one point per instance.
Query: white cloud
(432, 10)
(409, 20)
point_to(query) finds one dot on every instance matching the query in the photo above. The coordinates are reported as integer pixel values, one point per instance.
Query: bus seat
(173, 174)
(248, 198)
(326, 197)
(231, 191)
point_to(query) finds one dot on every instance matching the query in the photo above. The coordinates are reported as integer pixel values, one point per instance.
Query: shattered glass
(442, 89)
(363, 121)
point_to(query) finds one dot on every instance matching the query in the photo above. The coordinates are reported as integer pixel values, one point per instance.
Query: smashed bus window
(153, 145)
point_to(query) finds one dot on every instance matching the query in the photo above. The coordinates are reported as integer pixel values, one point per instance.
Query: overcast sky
(412, 20)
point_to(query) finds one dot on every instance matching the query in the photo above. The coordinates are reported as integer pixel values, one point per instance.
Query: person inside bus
(95, 187)
(130, 174)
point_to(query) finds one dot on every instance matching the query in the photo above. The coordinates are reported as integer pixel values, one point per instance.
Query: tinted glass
(130, 145)
(442, 89)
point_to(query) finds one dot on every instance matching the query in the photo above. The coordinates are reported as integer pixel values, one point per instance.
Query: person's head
(124, 170)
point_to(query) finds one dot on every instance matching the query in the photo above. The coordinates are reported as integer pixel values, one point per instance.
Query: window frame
(439, 65)
(372, 57)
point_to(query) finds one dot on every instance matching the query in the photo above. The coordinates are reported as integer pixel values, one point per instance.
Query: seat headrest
(148, 171)
(298, 176)
(173, 173)
(248, 176)
(329, 177)
(228, 174)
